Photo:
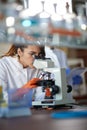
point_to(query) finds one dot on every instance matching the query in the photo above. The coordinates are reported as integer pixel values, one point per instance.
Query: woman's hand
(25, 89)
(32, 83)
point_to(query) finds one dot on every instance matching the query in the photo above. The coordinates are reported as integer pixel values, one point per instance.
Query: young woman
(17, 70)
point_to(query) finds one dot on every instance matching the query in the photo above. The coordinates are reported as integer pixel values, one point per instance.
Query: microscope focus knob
(55, 89)
(69, 88)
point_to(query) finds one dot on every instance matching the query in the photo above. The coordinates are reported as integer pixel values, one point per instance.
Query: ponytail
(13, 50)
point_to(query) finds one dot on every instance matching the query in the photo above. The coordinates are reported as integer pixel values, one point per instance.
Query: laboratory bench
(41, 120)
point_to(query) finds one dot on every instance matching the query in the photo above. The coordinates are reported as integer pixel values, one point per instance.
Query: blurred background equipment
(51, 23)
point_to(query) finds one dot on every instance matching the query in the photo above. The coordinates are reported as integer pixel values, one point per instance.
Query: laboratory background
(58, 25)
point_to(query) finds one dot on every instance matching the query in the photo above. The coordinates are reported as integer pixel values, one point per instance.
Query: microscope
(54, 85)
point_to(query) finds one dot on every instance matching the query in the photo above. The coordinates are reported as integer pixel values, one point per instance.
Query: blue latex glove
(77, 80)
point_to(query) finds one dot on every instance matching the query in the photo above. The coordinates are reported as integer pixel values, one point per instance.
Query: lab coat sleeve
(3, 81)
(3, 74)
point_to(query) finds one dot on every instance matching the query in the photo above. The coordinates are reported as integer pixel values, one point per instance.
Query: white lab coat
(57, 56)
(13, 75)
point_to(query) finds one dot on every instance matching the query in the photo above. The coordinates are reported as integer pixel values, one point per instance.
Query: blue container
(16, 99)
